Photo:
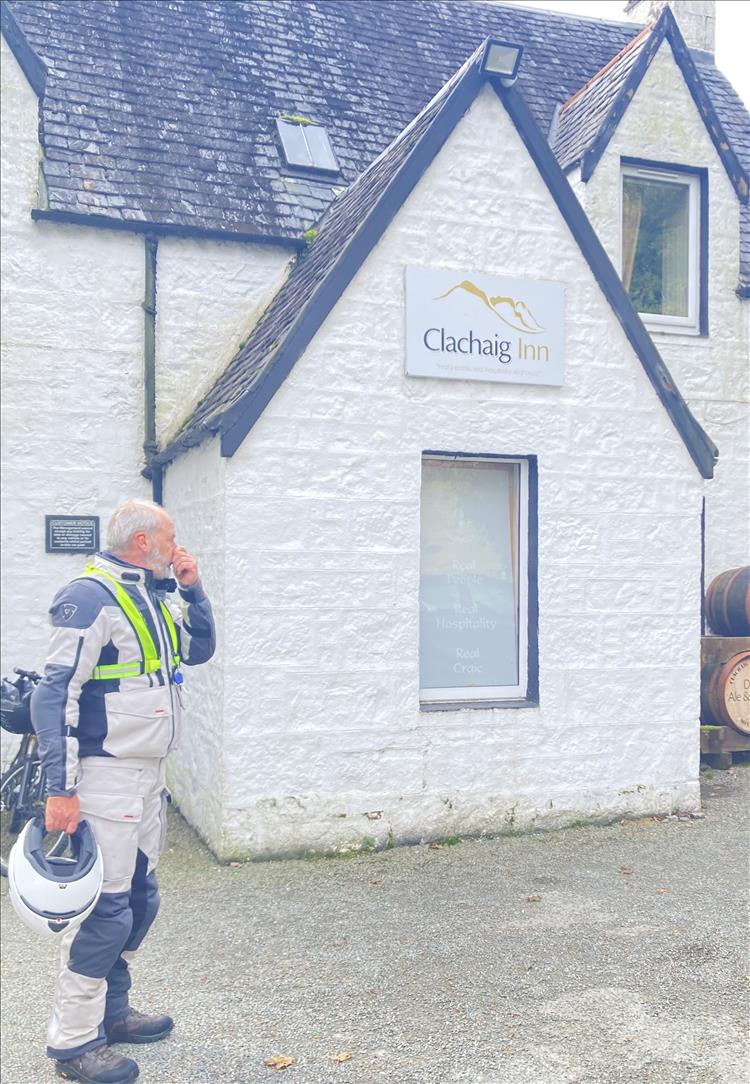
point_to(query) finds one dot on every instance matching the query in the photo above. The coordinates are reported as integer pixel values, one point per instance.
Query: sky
(732, 31)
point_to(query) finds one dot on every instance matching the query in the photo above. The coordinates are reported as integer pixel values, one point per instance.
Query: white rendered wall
(72, 363)
(72, 348)
(713, 373)
(209, 296)
(324, 744)
(194, 494)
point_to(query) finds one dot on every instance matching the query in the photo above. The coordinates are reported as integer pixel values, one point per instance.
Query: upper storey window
(306, 145)
(661, 247)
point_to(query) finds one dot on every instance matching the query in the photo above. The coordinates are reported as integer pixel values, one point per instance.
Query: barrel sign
(728, 603)
(726, 692)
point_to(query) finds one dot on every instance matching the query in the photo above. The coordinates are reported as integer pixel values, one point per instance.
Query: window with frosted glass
(472, 557)
(659, 245)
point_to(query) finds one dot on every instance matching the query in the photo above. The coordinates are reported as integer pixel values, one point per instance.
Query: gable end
(239, 397)
(667, 28)
(702, 450)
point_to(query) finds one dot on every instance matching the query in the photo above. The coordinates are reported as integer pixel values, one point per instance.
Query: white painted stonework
(72, 364)
(663, 124)
(304, 732)
(209, 296)
(316, 735)
(198, 767)
(72, 350)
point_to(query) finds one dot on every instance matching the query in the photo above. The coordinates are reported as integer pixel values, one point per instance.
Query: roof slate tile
(181, 96)
(201, 73)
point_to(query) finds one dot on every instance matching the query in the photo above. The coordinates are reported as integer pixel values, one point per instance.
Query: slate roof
(164, 112)
(580, 118)
(349, 231)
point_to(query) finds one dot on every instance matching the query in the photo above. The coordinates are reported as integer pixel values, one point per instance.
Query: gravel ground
(593, 955)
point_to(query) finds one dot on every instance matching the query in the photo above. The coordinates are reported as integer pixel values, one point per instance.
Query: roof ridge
(639, 40)
(566, 16)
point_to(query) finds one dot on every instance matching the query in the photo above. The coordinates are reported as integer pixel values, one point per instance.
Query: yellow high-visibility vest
(151, 660)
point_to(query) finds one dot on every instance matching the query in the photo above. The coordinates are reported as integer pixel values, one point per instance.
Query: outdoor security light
(502, 58)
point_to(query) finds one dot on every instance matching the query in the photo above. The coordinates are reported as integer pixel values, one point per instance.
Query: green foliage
(295, 118)
(362, 846)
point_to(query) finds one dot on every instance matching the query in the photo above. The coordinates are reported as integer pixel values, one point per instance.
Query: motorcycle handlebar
(30, 674)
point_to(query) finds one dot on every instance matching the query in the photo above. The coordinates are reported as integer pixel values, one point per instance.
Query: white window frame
(682, 325)
(475, 696)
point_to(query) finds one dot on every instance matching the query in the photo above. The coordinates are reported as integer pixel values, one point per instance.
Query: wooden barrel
(726, 692)
(728, 603)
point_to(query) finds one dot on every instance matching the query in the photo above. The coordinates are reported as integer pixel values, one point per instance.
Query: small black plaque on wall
(71, 534)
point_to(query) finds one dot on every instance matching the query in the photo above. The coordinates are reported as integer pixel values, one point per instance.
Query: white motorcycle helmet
(54, 895)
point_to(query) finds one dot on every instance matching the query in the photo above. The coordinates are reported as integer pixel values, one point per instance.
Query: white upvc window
(660, 246)
(473, 579)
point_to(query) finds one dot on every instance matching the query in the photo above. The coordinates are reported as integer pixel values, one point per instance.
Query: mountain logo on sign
(515, 314)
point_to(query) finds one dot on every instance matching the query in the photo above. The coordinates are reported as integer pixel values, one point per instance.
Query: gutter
(165, 229)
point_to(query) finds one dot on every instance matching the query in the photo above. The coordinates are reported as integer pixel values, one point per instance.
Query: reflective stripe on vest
(150, 661)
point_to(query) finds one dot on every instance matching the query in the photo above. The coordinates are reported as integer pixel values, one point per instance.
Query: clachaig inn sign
(470, 326)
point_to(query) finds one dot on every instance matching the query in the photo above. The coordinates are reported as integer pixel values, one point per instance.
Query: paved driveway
(593, 955)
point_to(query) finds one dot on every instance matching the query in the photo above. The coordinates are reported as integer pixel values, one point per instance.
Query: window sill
(464, 705)
(657, 328)
(675, 334)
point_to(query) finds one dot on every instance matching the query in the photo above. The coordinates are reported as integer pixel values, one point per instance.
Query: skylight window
(306, 145)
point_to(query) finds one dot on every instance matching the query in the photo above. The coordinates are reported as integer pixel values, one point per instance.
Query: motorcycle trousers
(124, 801)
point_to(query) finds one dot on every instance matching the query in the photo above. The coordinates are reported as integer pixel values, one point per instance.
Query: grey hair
(128, 519)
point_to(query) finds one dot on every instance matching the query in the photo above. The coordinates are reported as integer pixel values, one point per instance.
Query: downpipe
(150, 445)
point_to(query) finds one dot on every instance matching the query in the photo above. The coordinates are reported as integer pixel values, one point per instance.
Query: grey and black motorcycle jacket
(76, 716)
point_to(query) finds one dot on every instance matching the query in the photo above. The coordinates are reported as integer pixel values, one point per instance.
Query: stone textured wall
(209, 296)
(72, 331)
(72, 368)
(324, 744)
(662, 124)
(194, 494)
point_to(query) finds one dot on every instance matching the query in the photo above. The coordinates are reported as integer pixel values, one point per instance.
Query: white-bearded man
(106, 713)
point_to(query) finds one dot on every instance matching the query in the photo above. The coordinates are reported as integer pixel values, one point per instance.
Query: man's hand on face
(62, 813)
(184, 567)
